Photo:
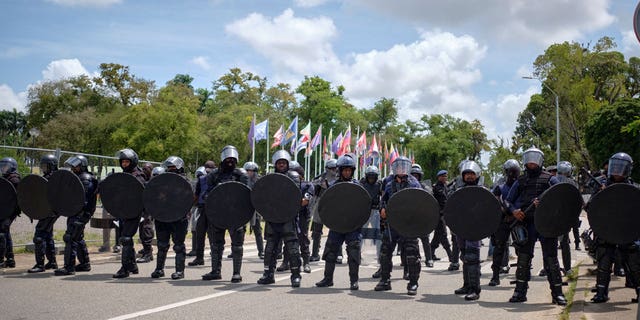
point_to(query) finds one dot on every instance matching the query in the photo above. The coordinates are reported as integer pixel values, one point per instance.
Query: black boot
(181, 257)
(216, 264)
(555, 281)
(69, 259)
(472, 259)
(284, 266)
(267, 277)
(383, 285)
(465, 281)
(160, 260)
(306, 268)
(377, 274)
(603, 278)
(237, 252)
(495, 278)
(523, 273)
(50, 253)
(39, 253)
(327, 281)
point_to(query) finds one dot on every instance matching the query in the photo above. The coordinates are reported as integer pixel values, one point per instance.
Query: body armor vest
(532, 187)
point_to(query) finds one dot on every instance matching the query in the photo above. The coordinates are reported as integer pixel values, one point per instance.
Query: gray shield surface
(472, 213)
(345, 207)
(168, 197)
(558, 211)
(613, 213)
(228, 205)
(276, 197)
(8, 199)
(65, 193)
(121, 195)
(32, 197)
(413, 212)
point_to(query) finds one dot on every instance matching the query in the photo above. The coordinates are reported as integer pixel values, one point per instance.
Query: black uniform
(216, 177)
(524, 191)
(44, 245)
(146, 233)
(165, 231)
(440, 237)
(606, 255)
(6, 242)
(74, 235)
(128, 229)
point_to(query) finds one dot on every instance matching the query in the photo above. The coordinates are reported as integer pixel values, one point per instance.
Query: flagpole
(266, 167)
(253, 142)
(356, 174)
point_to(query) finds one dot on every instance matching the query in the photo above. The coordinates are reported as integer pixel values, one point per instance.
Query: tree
(323, 105)
(12, 127)
(168, 125)
(116, 80)
(500, 153)
(238, 88)
(608, 132)
(383, 115)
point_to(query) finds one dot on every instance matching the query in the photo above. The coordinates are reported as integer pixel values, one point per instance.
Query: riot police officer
(401, 168)
(332, 247)
(202, 223)
(521, 200)
(440, 237)
(252, 169)
(416, 172)
(564, 170)
(9, 169)
(128, 161)
(43, 237)
(511, 170)
(285, 231)
(470, 250)
(74, 235)
(320, 184)
(619, 170)
(226, 172)
(145, 228)
(371, 230)
(176, 230)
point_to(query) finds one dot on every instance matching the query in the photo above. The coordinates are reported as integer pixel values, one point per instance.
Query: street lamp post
(557, 117)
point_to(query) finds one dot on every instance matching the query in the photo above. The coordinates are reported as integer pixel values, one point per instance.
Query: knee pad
(472, 256)
(329, 254)
(67, 238)
(163, 246)
(126, 241)
(38, 240)
(353, 251)
(237, 249)
(179, 248)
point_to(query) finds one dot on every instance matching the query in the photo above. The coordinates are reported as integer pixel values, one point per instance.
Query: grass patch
(573, 282)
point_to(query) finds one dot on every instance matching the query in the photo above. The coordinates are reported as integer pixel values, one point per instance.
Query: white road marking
(195, 300)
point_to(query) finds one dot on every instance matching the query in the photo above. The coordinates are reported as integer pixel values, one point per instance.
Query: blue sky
(461, 57)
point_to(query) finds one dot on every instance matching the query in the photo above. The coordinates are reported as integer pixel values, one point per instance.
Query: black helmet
(295, 166)
(128, 154)
(331, 164)
(416, 169)
(372, 171)
(294, 176)
(174, 161)
(620, 164)
(78, 161)
(8, 165)
(48, 163)
(346, 162)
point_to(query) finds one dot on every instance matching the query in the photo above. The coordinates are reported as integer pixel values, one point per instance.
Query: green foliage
(167, 126)
(13, 127)
(326, 106)
(609, 132)
(443, 141)
(500, 153)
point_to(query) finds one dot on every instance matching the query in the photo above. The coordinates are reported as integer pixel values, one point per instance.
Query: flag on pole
(291, 133)
(277, 138)
(393, 154)
(316, 139)
(373, 149)
(325, 150)
(361, 144)
(336, 144)
(260, 130)
(251, 131)
(346, 142)
(306, 133)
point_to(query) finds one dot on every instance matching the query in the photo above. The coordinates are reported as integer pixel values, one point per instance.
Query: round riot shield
(8, 199)
(277, 198)
(121, 195)
(345, 207)
(65, 193)
(472, 213)
(228, 205)
(413, 212)
(558, 211)
(32, 197)
(613, 213)
(167, 197)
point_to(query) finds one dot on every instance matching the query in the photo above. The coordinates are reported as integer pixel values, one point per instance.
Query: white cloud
(86, 3)
(630, 44)
(65, 68)
(297, 44)
(202, 62)
(309, 3)
(543, 21)
(10, 100)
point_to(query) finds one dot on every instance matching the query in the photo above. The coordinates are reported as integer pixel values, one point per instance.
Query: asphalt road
(95, 295)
